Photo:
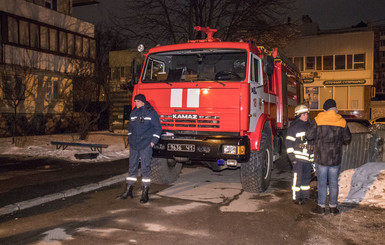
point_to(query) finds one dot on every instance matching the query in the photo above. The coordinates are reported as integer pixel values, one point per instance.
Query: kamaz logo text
(185, 116)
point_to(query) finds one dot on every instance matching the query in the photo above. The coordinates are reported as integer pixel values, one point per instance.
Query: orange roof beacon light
(209, 34)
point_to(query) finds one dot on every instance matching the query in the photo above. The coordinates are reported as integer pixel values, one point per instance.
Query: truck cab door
(256, 91)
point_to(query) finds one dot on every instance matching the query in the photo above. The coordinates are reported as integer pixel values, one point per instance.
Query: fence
(364, 147)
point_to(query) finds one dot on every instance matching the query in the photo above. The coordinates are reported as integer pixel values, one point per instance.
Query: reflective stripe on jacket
(296, 143)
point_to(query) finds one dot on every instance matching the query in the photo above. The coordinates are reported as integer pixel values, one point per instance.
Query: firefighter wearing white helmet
(299, 109)
(300, 154)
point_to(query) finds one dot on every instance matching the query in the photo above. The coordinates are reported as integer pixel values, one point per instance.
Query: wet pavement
(25, 178)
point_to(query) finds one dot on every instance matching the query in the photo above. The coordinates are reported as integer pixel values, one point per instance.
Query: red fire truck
(224, 104)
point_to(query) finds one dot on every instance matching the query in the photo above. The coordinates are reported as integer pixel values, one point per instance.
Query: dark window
(13, 88)
(340, 62)
(319, 63)
(13, 30)
(34, 35)
(349, 61)
(310, 63)
(298, 61)
(328, 62)
(359, 61)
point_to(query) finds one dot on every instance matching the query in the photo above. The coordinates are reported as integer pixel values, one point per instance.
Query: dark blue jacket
(144, 127)
(296, 144)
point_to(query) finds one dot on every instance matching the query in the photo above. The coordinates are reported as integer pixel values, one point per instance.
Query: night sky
(329, 14)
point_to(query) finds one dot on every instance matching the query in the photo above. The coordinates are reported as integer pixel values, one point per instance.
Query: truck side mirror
(268, 65)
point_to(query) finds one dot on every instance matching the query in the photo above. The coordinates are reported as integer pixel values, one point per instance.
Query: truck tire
(164, 172)
(256, 173)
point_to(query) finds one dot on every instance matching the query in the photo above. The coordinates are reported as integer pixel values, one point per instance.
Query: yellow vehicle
(377, 120)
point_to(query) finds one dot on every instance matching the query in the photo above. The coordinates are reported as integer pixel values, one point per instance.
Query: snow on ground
(363, 185)
(40, 146)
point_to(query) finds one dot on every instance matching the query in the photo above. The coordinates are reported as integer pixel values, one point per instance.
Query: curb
(13, 208)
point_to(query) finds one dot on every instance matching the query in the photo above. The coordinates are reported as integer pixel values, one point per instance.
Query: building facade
(379, 60)
(337, 65)
(120, 73)
(43, 48)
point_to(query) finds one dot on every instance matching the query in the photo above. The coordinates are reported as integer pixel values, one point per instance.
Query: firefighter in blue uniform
(300, 154)
(143, 133)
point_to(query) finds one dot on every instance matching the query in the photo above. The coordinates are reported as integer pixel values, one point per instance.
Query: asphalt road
(202, 207)
(26, 178)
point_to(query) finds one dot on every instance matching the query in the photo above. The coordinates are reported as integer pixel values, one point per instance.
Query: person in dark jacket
(143, 133)
(330, 131)
(300, 155)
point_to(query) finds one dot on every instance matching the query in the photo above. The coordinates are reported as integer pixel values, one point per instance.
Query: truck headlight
(229, 149)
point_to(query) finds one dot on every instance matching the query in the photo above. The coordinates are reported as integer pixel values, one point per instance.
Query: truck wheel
(164, 172)
(256, 173)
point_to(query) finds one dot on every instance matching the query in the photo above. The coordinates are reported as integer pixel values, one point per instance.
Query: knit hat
(330, 103)
(140, 97)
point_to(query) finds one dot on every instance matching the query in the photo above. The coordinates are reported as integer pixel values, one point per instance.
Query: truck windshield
(196, 65)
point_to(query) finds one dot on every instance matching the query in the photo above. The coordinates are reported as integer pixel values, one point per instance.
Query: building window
(13, 30)
(78, 45)
(310, 63)
(51, 4)
(24, 33)
(340, 62)
(298, 61)
(92, 49)
(359, 61)
(349, 62)
(86, 47)
(346, 97)
(13, 88)
(52, 39)
(63, 42)
(319, 62)
(44, 38)
(71, 43)
(34, 35)
(328, 62)
(40, 36)
(52, 88)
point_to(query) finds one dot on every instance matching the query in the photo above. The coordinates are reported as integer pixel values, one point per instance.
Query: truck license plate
(181, 147)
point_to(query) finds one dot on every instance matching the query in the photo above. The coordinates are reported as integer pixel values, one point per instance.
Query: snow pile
(363, 185)
(40, 146)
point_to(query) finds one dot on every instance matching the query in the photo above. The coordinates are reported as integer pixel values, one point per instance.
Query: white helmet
(299, 109)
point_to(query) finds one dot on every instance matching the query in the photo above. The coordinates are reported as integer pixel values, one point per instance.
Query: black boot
(127, 192)
(144, 198)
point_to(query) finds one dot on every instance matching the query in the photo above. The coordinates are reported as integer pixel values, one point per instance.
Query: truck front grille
(201, 122)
